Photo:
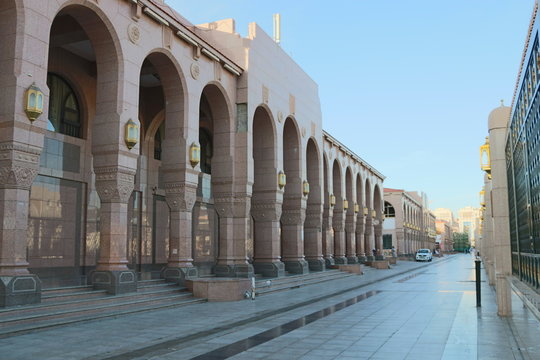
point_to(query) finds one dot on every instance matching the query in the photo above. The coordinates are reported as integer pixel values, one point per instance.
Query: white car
(424, 255)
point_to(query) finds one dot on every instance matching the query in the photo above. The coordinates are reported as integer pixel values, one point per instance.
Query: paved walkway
(426, 313)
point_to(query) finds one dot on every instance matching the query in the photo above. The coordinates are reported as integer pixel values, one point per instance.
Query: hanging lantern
(366, 211)
(345, 204)
(332, 200)
(131, 134)
(356, 208)
(282, 179)
(482, 198)
(194, 154)
(305, 188)
(485, 158)
(373, 213)
(33, 104)
(383, 216)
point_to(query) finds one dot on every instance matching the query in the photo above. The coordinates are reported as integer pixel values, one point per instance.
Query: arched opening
(64, 206)
(338, 220)
(369, 241)
(328, 232)
(313, 223)
(265, 201)
(292, 242)
(360, 222)
(350, 221)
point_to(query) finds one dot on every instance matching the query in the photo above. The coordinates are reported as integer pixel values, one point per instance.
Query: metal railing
(527, 267)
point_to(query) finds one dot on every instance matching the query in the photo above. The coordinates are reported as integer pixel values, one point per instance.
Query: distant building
(469, 222)
(409, 225)
(444, 235)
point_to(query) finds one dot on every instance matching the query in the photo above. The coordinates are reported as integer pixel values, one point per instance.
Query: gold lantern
(373, 213)
(356, 208)
(482, 198)
(33, 104)
(345, 204)
(366, 211)
(131, 134)
(282, 179)
(332, 200)
(305, 188)
(194, 154)
(485, 158)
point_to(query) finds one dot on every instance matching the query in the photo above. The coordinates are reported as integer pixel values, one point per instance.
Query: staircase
(63, 306)
(265, 286)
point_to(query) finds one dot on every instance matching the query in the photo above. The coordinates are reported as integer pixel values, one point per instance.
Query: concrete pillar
(267, 257)
(292, 233)
(313, 234)
(338, 224)
(487, 248)
(360, 248)
(234, 221)
(328, 235)
(377, 230)
(498, 121)
(350, 236)
(369, 239)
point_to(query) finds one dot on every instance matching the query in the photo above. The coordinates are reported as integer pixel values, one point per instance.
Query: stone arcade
(231, 173)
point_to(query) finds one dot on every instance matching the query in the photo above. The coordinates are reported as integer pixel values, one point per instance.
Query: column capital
(266, 211)
(180, 196)
(233, 205)
(114, 184)
(293, 216)
(19, 165)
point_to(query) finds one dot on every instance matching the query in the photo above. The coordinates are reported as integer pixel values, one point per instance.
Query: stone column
(487, 241)
(19, 165)
(369, 239)
(338, 224)
(267, 257)
(114, 185)
(498, 121)
(292, 233)
(234, 212)
(180, 197)
(378, 240)
(313, 237)
(328, 238)
(360, 249)
(350, 231)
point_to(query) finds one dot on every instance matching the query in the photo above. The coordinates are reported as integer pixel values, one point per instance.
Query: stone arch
(313, 223)
(377, 201)
(313, 172)
(338, 220)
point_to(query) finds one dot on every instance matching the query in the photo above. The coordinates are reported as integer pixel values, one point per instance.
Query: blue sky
(407, 85)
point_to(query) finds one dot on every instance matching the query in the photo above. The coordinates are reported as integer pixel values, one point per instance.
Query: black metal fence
(527, 267)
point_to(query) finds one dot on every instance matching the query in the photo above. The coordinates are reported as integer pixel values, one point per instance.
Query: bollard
(478, 292)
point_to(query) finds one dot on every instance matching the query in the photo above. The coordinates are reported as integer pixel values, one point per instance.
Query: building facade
(409, 225)
(444, 235)
(135, 145)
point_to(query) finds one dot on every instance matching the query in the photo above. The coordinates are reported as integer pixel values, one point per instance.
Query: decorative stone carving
(266, 211)
(134, 33)
(180, 196)
(195, 70)
(18, 166)
(293, 216)
(114, 183)
(313, 220)
(232, 205)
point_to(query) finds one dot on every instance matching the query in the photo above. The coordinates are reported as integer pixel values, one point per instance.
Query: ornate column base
(370, 258)
(352, 260)
(316, 264)
(115, 282)
(19, 290)
(235, 270)
(379, 257)
(362, 259)
(340, 260)
(296, 266)
(329, 261)
(269, 269)
(179, 274)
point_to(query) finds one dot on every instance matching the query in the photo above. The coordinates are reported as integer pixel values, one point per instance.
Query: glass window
(158, 139)
(389, 210)
(205, 139)
(64, 111)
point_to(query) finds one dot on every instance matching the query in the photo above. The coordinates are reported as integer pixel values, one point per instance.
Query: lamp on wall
(366, 211)
(282, 179)
(373, 213)
(356, 208)
(131, 134)
(332, 200)
(482, 198)
(33, 102)
(485, 158)
(305, 188)
(345, 204)
(194, 154)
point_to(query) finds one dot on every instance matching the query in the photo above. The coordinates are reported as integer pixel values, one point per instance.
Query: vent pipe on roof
(277, 28)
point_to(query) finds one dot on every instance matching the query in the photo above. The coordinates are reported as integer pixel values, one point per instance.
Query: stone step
(298, 281)
(47, 298)
(299, 277)
(66, 290)
(57, 319)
